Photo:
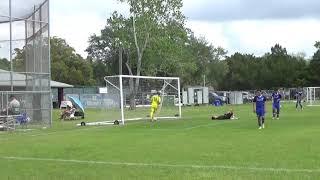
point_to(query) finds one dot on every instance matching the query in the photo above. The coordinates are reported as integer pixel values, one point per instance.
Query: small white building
(236, 97)
(195, 95)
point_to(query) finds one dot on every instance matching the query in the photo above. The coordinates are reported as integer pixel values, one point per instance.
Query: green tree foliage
(243, 71)
(69, 67)
(4, 64)
(274, 69)
(154, 41)
(19, 60)
(314, 67)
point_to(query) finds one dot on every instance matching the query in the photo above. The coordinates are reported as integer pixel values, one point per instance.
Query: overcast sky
(253, 26)
(246, 26)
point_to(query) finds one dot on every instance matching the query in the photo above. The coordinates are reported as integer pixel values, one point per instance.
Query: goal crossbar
(144, 77)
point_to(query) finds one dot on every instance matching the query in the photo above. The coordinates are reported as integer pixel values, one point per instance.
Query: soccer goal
(313, 96)
(129, 97)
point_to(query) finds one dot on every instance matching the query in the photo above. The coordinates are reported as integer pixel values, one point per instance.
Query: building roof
(55, 84)
(19, 80)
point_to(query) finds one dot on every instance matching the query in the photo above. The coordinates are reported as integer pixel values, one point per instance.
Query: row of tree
(154, 41)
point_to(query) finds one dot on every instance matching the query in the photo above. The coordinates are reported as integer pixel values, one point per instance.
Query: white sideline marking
(205, 125)
(165, 165)
(67, 130)
(59, 132)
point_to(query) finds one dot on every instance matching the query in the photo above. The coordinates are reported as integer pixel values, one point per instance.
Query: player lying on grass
(226, 116)
(155, 102)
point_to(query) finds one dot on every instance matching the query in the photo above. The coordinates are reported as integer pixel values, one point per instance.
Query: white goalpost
(128, 97)
(313, 96)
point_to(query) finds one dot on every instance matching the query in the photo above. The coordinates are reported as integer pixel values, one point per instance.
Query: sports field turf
(191, 148)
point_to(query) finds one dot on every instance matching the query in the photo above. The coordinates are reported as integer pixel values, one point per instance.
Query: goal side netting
(313, 96)
(128, 97)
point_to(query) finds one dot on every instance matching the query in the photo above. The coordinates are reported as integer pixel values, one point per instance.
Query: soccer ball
(116, 122)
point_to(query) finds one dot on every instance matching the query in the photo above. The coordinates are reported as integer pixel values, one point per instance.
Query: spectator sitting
(13, 107)
(227, 116)
(68, 113)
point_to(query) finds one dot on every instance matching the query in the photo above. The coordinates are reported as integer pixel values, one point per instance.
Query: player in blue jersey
(259, 108)
(276, 98)
(299, 96)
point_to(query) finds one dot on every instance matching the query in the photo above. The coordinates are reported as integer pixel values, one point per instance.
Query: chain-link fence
(25, 59)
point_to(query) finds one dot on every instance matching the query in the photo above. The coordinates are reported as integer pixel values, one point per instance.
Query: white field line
(57, 132)
(191, 166)
(63, 131)
(206, 125)
(189, 128)
(69, 130)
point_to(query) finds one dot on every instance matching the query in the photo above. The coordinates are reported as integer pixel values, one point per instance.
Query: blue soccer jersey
(260, 102)
(276, 98)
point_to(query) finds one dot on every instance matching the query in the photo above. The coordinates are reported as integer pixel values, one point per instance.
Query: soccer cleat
(272, 117)
(263, 126)
(260, 127)
(278, 118)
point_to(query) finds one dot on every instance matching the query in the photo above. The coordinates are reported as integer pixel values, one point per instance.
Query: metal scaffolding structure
(25, 59)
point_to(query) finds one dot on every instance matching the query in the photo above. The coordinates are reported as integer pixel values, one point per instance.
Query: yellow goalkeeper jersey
(155, 100)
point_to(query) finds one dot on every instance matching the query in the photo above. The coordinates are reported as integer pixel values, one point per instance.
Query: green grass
(191, 148)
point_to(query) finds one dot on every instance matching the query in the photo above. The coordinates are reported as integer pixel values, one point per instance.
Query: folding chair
(7, 123)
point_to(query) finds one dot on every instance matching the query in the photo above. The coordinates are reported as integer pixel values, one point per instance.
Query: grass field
(191, 148)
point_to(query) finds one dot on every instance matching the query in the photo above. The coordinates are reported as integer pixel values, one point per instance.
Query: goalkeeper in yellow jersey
(155, 102)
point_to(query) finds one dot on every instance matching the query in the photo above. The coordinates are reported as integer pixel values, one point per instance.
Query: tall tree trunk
(132, 92)
(140, 52)
(120, 60)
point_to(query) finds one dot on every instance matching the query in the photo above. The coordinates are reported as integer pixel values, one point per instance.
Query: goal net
(129, 97)
(313, 96)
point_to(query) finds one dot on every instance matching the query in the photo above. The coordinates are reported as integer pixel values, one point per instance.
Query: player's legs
(259, 119)
(152, 112)
(274, 109)
(300, 104)
(260, 115)
(278, 112)
(259, 122)
(214, 117)
(221, 117)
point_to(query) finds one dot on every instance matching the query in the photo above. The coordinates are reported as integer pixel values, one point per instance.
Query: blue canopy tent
(77, 103)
